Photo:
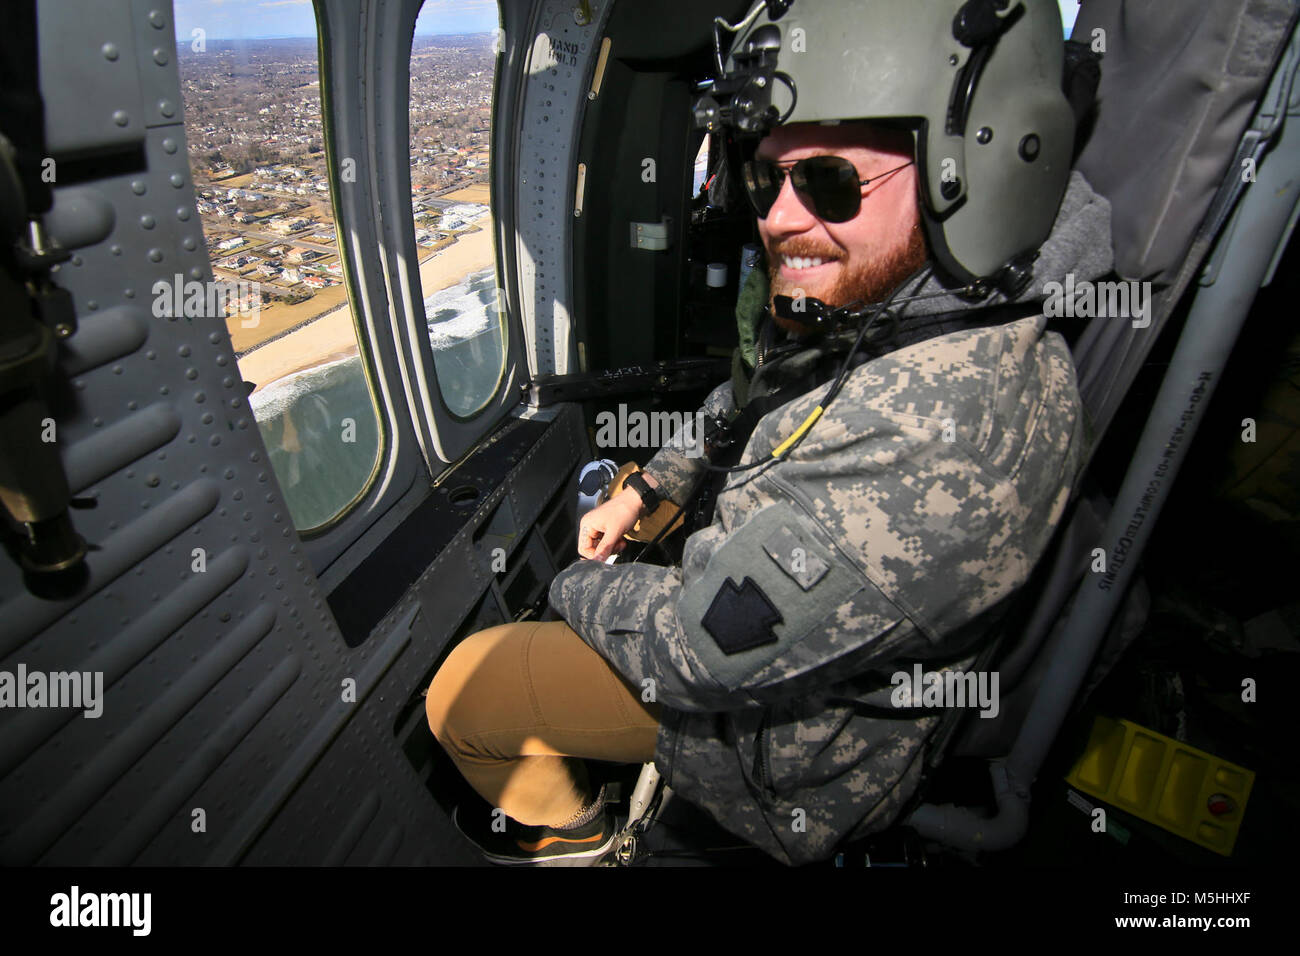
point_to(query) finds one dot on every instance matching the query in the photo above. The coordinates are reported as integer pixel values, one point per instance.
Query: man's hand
(601, 532)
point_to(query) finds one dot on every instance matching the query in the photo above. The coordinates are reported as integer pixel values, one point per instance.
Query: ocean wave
(453, 315)
(276, 398)
(462, 311)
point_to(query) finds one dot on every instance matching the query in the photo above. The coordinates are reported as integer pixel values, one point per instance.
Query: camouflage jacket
(923, 496)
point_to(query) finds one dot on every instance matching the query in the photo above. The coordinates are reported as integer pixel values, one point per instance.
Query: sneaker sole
(577, 858)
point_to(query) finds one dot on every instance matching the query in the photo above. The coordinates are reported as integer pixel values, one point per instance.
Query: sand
(328, 338)
(274, 318)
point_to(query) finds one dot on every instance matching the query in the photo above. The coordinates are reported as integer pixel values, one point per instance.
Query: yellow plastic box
(1186, 791)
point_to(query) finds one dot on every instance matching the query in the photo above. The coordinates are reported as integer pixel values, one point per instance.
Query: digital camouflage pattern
(921, 499)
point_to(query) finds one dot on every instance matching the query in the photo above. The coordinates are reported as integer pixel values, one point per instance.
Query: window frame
(347, 119)
(445, 437)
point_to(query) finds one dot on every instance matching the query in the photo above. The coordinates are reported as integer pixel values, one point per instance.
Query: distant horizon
(182, 41)
(296, 19)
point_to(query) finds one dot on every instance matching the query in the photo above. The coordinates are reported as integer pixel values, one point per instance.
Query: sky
(1069, 11)
(252, 19)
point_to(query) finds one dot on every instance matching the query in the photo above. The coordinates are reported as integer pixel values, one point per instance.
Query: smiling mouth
(800, 263)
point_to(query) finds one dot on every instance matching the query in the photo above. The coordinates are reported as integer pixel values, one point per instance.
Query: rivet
(110, 51)
(1029, 147)
(120, 117)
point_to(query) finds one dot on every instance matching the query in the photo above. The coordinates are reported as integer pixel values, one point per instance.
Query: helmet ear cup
(1017, 147)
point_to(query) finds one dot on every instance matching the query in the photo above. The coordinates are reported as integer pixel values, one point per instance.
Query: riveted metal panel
(96, 105)
(559, 67)
(200, 611)
(237, 726)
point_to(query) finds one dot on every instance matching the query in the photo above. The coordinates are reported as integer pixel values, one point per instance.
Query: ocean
(320, 425)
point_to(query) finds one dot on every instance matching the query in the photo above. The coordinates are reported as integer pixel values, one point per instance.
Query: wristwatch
(649, 497)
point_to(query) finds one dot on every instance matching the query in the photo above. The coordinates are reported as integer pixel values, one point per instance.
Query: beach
(333, 336)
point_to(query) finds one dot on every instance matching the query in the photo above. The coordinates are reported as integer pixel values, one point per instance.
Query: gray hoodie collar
(1079, 244)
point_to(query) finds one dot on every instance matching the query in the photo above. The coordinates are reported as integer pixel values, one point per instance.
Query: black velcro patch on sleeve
(741, 618)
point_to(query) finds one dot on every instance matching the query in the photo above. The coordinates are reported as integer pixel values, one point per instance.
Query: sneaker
(520, 845)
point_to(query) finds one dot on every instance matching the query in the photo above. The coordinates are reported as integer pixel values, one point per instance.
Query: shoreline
(332, 336)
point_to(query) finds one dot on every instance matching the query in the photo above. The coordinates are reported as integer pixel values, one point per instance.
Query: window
(453, 63)
(250, 79)
(700, 172)
(1069, 13)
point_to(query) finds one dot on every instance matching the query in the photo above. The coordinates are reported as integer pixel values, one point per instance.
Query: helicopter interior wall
(229, 686)
(634, 145)
(630, 300)
(634, 306)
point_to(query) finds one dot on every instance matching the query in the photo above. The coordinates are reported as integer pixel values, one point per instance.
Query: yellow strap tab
(808, 423)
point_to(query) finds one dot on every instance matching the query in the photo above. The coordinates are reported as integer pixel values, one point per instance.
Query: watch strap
(649, 497)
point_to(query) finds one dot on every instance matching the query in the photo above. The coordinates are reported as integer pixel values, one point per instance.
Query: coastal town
(262, 180)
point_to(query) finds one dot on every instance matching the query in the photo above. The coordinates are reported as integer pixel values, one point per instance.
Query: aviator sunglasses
(828, 184)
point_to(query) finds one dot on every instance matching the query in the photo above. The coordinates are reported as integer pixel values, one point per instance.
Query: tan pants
(515, 706)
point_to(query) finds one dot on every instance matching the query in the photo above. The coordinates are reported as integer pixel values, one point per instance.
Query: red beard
(873, 279)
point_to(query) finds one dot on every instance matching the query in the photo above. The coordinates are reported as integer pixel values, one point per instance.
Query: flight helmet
(978, 82)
